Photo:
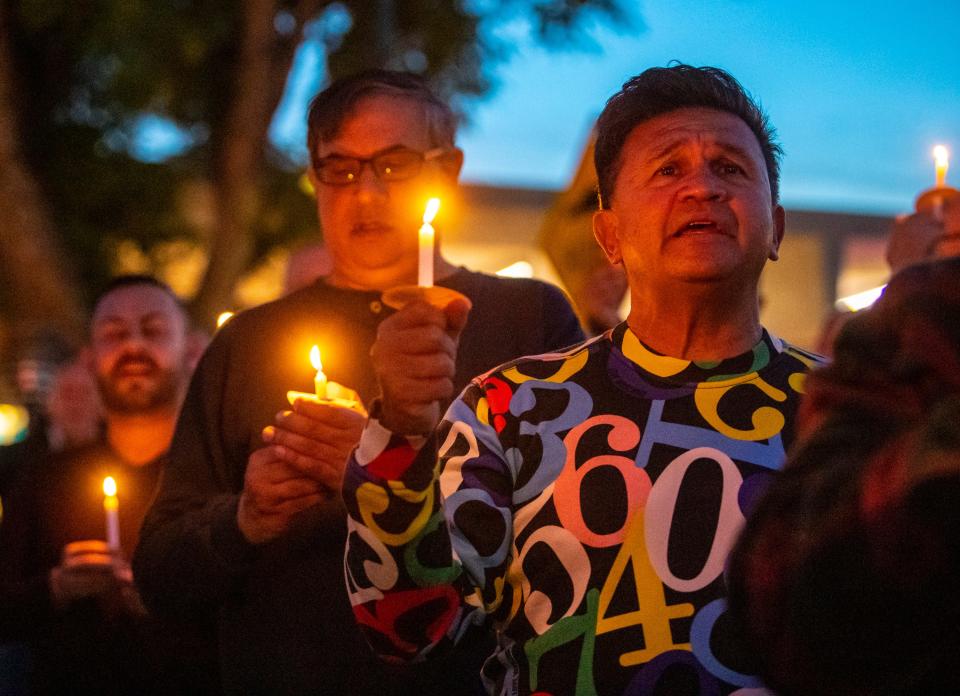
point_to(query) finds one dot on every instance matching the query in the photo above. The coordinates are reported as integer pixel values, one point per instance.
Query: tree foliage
(85, 74)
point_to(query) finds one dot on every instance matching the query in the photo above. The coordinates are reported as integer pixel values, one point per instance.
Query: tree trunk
(260, 78)
(41, 290)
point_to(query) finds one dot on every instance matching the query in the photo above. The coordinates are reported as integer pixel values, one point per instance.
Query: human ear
(779, 226)
(451, 163)
(605, 231)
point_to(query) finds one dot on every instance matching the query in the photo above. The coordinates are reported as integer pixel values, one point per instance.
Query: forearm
(190, 558)
(398, 561)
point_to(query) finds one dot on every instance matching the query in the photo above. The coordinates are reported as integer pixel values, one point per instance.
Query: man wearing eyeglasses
(248, 518)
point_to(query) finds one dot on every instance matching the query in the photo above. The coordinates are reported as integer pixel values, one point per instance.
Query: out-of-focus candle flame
(941, 161)
(14, 423)
(109, 487)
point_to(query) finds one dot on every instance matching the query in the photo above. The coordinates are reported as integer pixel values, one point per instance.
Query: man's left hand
(317, 438)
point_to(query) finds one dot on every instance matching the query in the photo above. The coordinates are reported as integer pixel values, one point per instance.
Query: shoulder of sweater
(807, 357)
(538, 363)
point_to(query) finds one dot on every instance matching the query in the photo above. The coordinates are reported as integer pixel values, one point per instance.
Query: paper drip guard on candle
(337, 395)
(399, 297)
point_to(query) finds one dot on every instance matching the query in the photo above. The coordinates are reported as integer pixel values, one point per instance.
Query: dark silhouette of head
(845, 578)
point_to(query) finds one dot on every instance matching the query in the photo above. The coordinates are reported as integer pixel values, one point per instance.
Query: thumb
(457, 311)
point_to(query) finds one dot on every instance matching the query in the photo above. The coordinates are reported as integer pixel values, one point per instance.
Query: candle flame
(109, 487)
(433, 205)
(315, 358)
(223, 318)
(941, 156)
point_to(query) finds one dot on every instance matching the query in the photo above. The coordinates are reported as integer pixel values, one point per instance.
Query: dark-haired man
(584, 503)
(248, 518)
(68, 592)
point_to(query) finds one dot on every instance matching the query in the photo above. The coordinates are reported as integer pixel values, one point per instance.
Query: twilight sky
(859, 92)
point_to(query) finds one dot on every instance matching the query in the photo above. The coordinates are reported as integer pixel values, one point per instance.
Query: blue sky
(859, 92)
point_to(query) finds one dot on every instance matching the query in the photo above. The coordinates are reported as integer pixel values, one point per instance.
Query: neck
(700, 322)
(140, 438)
(385, 279)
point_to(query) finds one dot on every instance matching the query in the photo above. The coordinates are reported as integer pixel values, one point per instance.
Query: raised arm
(429, 531)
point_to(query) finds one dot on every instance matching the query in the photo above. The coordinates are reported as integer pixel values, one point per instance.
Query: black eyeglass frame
(422, 158)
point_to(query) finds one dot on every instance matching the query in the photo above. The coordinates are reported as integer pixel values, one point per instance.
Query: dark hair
(131, 280)
(857, 541)
(660, 90)
(330, 108)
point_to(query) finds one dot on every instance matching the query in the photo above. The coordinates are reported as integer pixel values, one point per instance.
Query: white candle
(427, 235)
(320, 380)
(111, 507)
(941, 160)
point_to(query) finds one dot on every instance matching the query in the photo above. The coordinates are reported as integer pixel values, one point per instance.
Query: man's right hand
(414, 358)
(89, 572)
(274, 491)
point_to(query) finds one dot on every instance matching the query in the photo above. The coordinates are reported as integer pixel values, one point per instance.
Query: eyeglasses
(393, 165)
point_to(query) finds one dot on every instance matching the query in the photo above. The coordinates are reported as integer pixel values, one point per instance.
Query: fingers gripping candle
(427, 241)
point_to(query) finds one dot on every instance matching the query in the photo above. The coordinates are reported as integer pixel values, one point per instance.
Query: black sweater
(285, 624)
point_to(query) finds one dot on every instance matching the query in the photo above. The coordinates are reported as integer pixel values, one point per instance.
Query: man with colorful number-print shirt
(583, 503)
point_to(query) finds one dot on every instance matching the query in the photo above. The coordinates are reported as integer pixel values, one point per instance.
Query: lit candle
(425, 268)
(941, 160)
(111, 507)
(320, 380)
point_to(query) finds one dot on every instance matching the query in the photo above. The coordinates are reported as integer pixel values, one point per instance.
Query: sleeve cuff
(376, 439)
(227, 539)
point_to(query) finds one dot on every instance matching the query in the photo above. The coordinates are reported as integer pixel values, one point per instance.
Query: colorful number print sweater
(582, 507)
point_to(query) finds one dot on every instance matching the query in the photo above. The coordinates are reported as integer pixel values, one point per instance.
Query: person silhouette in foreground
(845, 579)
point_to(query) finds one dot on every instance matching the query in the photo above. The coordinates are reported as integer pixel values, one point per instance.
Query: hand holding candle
(111, 508)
